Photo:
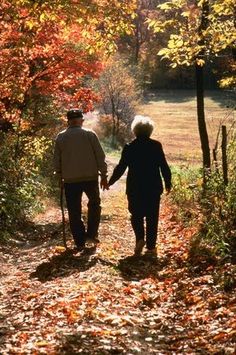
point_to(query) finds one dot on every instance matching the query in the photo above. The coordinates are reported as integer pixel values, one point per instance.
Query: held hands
(104, 184)
(168, 189)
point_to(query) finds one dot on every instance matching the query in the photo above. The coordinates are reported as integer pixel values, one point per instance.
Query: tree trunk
(137, 43)
(200, 92)
(113, 135)
(113, 113)
(201, 119)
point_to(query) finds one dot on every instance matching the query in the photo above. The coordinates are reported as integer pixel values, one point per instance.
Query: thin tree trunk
(113, 136)
(137, 43)
(201, 118)
(200, 93)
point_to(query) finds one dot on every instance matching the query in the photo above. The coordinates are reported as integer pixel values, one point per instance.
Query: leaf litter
(107, 301)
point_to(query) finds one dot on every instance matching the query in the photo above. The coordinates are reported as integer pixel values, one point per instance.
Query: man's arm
(100, 159)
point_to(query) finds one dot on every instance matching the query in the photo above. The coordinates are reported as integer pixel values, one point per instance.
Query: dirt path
(107, 301)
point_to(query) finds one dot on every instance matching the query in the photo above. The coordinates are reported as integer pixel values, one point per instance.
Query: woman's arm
(165, 170)
(121, 166)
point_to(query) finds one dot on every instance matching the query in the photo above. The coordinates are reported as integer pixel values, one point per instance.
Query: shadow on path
(64, 264)
(141, 267)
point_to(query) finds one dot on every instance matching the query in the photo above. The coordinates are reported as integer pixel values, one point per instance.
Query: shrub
(212, 209)
(187, 185)
(105, 131)
(119, 94)
(21, 181)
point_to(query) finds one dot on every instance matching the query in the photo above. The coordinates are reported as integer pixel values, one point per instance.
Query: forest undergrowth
(106, 301)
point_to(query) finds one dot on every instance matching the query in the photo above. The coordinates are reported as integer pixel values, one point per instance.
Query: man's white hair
(142, 126)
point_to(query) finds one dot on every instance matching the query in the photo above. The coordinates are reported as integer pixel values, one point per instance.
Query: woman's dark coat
(146, 163)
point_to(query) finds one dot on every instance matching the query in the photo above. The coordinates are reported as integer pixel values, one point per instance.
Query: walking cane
(63, 215)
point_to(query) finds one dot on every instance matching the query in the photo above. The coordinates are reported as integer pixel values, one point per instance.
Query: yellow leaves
(79, 20)
(175, 51)
(163, 52)
(129, 31)
(166, 6)
(224, 8)
(173, 43)
(200, 62)
(227, 82)
(30, 24)
(182, 25)
(91, 50)
(152, 23)
(160, 26)
(201, 2)
(42, 343)
(173, 65)
(185, 13)
(199, 182)
(59, 248)
(155, 25)
(42, 17)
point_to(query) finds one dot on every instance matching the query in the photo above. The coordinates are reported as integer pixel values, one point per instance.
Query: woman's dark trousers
(73, 193)
(140, 210)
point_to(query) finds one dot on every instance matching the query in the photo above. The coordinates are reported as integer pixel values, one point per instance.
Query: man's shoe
(139, 247)
(79, 248)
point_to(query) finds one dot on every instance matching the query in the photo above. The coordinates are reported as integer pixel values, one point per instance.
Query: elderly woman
(146, 163)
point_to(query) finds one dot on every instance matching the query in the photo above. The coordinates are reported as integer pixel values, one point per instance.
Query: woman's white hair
(142, 126)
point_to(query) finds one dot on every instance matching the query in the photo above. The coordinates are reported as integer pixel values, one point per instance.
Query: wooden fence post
(224, 155)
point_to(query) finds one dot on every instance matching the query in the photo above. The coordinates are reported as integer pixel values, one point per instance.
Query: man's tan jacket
(78, 155)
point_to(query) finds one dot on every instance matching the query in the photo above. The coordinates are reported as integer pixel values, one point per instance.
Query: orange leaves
(37, 55)
(128, 290)
(31, 296)
(70, 314)
(109, 300)
(193, 299)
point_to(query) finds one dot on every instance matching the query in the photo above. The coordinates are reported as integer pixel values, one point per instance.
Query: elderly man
(79, 160)
(146, 163)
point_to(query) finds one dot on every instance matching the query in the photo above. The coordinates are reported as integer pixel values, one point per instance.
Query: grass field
(175, 117)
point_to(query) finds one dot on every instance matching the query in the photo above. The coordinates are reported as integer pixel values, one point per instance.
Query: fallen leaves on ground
(107, 301)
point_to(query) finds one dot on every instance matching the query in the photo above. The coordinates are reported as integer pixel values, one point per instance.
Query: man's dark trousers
(73, 193)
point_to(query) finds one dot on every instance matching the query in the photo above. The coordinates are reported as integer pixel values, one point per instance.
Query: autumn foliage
(52, 49)
(105, 300)
(42, 56)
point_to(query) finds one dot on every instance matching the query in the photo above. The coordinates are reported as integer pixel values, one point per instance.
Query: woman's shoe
(152, 252)
(139, 247)
(93, 241)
